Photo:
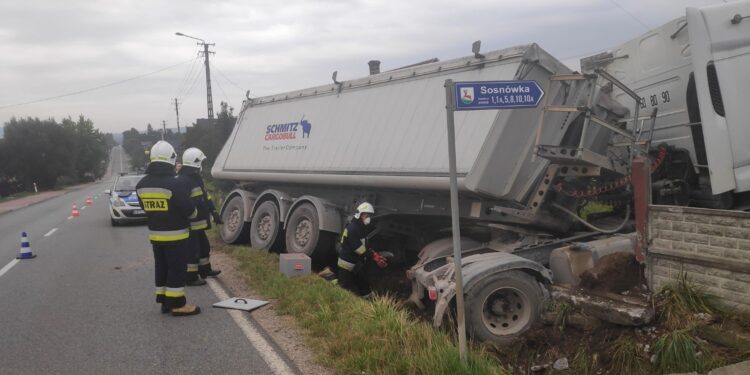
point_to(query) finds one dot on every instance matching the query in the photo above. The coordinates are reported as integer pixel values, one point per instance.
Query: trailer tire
(303, 234)
(234, 230)
(265, 226)
(502, 306)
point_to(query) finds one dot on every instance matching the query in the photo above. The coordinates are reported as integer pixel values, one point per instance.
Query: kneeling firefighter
(355, 252)
(169, 210)
(199, 265)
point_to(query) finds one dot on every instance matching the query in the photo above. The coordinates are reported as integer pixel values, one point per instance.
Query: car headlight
(119, 203)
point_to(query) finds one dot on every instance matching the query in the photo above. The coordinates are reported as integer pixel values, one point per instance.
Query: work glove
(217, 217)
(379, 259)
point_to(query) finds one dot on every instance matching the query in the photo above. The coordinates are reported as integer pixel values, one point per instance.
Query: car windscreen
(127, 183)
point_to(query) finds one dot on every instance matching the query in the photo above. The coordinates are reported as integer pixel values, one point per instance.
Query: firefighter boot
(213, 273)
(186, 310)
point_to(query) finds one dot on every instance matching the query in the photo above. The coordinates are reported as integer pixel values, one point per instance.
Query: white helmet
(364, 208)
(163, 152)
(193, 157)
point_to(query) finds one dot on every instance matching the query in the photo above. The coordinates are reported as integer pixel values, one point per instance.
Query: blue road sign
(497, 95)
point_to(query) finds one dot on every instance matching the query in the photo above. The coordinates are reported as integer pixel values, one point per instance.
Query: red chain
(611, 185)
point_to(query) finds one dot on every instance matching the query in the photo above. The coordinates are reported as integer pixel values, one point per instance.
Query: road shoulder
(282, 329)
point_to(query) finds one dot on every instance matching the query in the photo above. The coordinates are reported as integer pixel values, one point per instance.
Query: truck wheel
(235, 229)
(265, 226)
(501, 307)
(303, 234)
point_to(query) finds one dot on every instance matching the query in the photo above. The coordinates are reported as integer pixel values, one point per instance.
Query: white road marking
(83, 208)
(70, 217)
(267, 352)
(8, 266)
(50, 232)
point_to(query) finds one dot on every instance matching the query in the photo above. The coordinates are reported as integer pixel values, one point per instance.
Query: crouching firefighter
(169, 210)
(199, 265)
(355, 252)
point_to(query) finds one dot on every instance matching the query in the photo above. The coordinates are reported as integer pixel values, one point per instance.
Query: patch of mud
(613, 273)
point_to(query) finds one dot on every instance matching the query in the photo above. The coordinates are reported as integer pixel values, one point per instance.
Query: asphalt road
(85, 304)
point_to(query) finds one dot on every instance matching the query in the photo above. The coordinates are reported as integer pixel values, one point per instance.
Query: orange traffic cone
(75, 212)
(89, 201)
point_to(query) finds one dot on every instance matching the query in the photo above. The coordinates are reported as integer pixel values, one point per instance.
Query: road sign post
(468, 96)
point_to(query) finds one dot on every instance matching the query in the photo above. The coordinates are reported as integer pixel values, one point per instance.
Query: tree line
(51, 154)
(209, 136)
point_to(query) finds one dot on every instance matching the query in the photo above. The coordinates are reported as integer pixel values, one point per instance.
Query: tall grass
(677, 351)
(627, 358)
(680, 301)
(357, 336)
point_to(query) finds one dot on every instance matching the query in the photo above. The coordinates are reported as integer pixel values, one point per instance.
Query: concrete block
(710, 251)
(684, 227)
(740, 233)
(711, 230)
(735, 286)
(294, 264)
(696, 238)
(723, 242)
(741, 368)
(683, 246)
(732, 254)
(726, 221)
(663, 224)
(669, 235)
(742, 277)
(743, 245)
(701, 219)
(662, 243)
(668, 216)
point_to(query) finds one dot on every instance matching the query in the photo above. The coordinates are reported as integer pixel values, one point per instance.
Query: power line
(631, 15)
(221, 88)
(94, 88)
(195, 81)
(187, 78)
(191, 79)
(227, 78)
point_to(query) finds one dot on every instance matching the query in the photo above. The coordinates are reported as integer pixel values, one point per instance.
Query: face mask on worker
(366, 220)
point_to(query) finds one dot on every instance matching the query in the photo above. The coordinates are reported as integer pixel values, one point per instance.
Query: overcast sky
(57, 47)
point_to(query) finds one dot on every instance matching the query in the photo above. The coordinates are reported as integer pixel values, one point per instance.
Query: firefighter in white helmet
(199, 265)
(169, 210)
(355, 252)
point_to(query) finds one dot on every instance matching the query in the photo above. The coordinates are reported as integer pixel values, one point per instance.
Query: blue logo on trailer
(497, 95)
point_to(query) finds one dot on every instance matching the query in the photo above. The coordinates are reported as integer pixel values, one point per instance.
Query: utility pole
(206, 53)
(177, 112)
(163, 129)
(209, 98)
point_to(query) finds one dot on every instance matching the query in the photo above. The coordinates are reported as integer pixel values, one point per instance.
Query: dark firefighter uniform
(199, 263)
(169, 210)
(352, 258)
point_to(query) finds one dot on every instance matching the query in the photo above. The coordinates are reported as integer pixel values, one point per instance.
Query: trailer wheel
(235, 229)
(303, 234)
(501, 307)
(265, 226)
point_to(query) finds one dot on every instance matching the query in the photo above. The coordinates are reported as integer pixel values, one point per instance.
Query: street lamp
(206, 53)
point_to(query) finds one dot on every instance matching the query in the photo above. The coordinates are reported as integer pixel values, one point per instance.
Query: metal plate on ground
(240, 304)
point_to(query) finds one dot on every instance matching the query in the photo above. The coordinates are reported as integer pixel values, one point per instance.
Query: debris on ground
(561, 364)
(614, 273)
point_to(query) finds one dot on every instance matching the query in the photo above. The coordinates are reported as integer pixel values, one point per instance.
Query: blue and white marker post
(468, 96)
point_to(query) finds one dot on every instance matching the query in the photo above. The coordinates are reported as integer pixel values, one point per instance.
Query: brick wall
(711, 246)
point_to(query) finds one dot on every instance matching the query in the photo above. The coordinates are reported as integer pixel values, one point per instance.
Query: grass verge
(353, 335)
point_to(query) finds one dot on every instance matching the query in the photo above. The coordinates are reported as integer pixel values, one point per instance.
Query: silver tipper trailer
(304, 160)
